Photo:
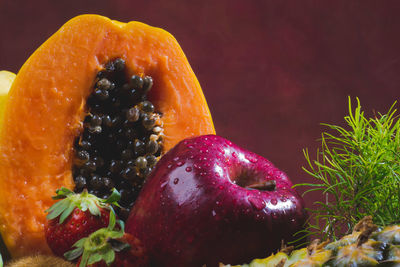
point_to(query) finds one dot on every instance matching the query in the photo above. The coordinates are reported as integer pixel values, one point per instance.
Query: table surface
(271, 71)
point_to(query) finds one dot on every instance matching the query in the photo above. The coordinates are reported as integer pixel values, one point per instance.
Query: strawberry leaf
(67, 212)
(95, 258)
(118, 245)
(80, 243)
(121, 224)
(83, 201)
(113, 198)
(55, 210)
(73, 254)
(62, 193)
(111, 222)
(101, 245)
(84, 259)
(116, 234)
(83, 206)
(109, 256)
(93, 208)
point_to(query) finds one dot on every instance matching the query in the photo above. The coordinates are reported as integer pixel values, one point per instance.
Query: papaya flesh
(45, 110)
(6, 80)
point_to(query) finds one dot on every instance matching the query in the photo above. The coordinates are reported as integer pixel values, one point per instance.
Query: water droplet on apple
(220, 187)
(176, 158)
(217, 203)
(274, 215)
(220, 149)
(203, 174)
(213, 213)
(176, 180)
(252, 159)
(180, 163)
(274, 201)
(169, 166)
(188, 169)
(234, 155)
(164, 184)
(217, 174)
(257, 203)
(283, 198)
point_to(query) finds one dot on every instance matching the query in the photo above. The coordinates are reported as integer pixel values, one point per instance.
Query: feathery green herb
(358, 172)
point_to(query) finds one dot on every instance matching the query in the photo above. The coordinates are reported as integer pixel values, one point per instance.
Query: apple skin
(195, 208)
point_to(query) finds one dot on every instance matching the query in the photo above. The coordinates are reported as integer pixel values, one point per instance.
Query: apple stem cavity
(269, 185)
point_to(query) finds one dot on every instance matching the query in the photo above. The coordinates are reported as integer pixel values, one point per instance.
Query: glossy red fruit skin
(79, 224)
(189, 212)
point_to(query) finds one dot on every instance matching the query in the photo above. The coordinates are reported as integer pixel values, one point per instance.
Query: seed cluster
(122, 136)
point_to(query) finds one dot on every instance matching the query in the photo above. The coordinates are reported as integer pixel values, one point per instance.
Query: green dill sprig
(358, 172)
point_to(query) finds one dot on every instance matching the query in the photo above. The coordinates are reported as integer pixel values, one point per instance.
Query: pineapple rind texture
(377, 247)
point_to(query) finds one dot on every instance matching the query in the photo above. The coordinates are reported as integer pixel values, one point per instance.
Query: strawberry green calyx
(1, 261)
(100, 245)
(83, 201)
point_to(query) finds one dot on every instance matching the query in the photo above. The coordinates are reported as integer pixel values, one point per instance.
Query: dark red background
(271, 71)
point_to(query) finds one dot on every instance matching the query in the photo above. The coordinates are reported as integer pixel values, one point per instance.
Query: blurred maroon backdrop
(271, 71)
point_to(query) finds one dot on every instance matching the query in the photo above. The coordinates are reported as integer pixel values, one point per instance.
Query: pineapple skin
(365, 247)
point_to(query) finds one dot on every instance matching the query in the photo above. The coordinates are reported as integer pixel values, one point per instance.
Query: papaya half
(94, 107)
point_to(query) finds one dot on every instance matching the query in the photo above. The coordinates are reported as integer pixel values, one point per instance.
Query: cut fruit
(44, 121)
(6, 80)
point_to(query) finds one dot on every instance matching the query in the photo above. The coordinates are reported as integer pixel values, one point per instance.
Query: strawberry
(76, 216)
(109, 246)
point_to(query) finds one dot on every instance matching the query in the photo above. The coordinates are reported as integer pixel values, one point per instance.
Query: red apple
(210, 201)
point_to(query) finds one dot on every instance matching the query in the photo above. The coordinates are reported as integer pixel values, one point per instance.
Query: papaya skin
(45, 110)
